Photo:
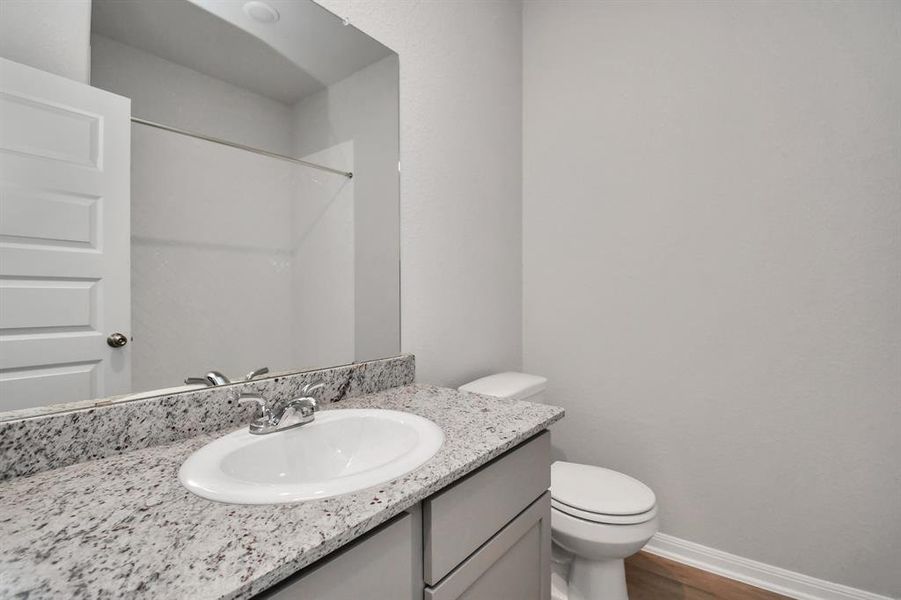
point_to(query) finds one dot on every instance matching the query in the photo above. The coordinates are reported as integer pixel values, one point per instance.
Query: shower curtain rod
(216, 140)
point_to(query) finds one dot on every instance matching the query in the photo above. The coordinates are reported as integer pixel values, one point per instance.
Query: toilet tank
(515, 386)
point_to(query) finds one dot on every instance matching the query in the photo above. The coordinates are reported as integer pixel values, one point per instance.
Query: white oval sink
(341, 451)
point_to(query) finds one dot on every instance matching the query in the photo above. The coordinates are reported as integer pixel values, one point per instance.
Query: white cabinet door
(64, 239)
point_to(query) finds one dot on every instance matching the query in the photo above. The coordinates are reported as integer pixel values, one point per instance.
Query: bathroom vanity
(472, 522)
(486, 535)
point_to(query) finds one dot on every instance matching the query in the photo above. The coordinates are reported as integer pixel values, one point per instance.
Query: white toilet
(598, 516)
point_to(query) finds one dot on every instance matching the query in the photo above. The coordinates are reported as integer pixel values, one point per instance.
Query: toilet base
(574, 578)
(560, 562)
(559, 587)
(597, 580)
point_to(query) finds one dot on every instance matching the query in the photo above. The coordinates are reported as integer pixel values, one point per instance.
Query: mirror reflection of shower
(263, 194)
(290, 236)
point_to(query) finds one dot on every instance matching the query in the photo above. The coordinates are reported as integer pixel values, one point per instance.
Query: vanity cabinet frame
(385, 563)
(463, 516)
(486, 536)
(515, 564)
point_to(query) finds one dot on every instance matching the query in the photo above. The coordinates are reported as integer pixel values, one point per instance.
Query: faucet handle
(304, 406)
(217, 378)
(308, 403)
(255, 399)
(256, 373)
(309, 389)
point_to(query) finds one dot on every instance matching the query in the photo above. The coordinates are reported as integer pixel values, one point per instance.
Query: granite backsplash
(32, 444)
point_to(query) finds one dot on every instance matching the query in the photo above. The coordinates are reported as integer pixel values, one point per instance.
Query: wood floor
(651, 577)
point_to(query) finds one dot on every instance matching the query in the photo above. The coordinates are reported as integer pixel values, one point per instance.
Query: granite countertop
(125, 527)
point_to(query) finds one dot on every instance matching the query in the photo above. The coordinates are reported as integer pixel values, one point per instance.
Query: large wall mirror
(256, 223)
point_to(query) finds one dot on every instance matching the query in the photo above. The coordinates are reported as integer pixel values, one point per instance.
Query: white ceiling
(306, 50)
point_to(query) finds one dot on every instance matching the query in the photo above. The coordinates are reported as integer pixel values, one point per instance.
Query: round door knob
(116, 340)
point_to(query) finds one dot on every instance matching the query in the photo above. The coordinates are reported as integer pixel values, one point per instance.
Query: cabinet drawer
(459, 519)
(513, 565)
(384, 564)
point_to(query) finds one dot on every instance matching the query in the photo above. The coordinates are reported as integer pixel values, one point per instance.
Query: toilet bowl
(598, 516)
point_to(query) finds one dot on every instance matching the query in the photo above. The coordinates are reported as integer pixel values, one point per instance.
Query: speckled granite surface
(124, 527)
(33, 444)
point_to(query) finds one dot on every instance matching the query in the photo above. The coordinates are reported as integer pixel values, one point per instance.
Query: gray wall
(48, 35)
(171, 93)
(712, 280)
(460, 123)
(358, 108)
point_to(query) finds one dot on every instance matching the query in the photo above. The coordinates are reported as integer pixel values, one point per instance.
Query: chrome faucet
(214, 378)
(297, 412)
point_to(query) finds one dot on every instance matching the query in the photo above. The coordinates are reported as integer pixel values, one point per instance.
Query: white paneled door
(64, 240)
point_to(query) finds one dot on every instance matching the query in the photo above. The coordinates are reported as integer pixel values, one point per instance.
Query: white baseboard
(767, 577)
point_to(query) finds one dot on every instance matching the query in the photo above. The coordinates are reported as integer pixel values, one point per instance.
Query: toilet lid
(597, 490)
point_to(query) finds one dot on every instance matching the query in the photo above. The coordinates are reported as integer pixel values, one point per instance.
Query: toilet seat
(600, 495)
(602, 518)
